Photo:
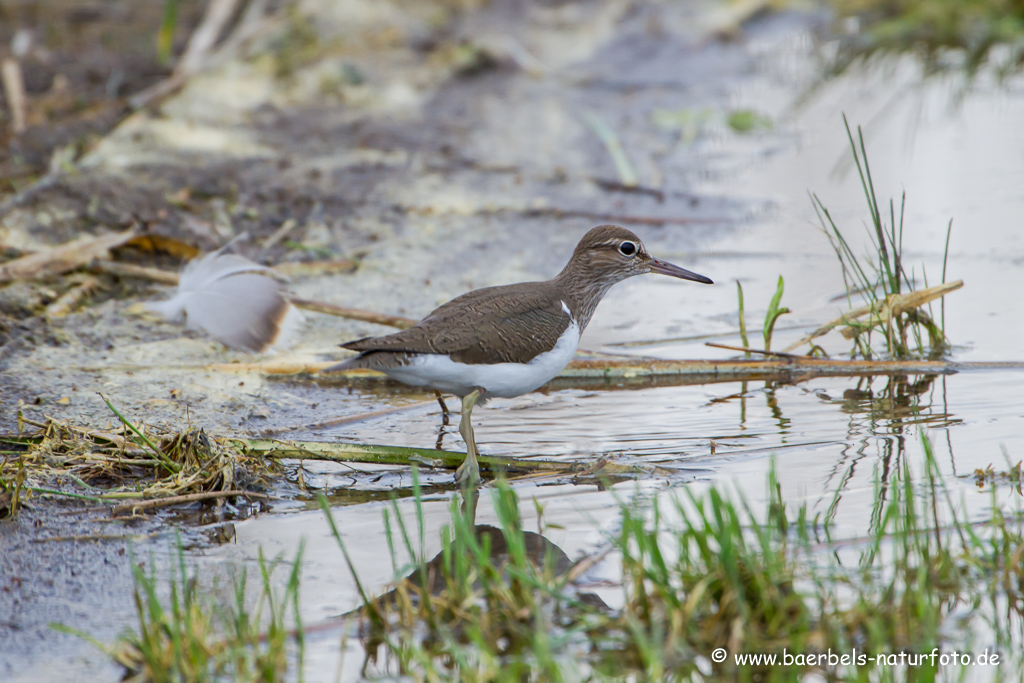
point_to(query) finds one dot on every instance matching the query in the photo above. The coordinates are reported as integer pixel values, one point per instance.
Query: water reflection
(835, 437)
(902, 401)
(488, 583)
(881, 419)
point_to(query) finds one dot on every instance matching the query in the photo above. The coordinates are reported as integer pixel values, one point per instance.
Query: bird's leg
(444, 409)
(470, 499)
(444, 420)
(468, 473)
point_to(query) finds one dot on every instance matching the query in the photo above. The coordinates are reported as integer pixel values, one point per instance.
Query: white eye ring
(628, 248)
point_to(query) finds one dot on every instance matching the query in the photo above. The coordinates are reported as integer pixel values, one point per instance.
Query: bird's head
(609, 254)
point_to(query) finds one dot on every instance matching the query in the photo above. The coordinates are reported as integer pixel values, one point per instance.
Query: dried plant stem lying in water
(140, 505)
(404, 456)
(880, 313)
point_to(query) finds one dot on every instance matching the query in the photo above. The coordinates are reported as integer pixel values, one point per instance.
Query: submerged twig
(599, 216)
(405, 456)
(348, 419)
(97, 537)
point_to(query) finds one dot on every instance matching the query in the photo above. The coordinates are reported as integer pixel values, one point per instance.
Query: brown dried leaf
(166, 245)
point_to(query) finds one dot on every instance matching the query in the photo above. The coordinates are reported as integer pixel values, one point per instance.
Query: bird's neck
(582, 290)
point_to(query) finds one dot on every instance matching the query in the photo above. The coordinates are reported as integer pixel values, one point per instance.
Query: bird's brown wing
(506, 324)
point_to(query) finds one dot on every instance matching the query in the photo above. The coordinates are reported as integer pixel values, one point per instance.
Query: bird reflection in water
(493, 581)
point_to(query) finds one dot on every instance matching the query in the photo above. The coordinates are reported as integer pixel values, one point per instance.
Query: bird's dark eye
(627, 248)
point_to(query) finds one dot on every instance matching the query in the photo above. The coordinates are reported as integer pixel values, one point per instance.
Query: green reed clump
(979, 32)
(702, 571)
(188, 635)
(881, 278)
(712, 579)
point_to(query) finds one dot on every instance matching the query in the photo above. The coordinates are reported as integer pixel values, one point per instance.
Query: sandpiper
(509, 340)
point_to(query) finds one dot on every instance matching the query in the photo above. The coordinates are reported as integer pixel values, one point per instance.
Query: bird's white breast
(497, 379)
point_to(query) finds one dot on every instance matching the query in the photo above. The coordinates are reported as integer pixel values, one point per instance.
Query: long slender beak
(666, 268)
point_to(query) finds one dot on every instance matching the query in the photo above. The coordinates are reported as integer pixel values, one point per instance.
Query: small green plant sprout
(689, 122)
(775, 311)
(894, 309)
(743, 320)
(747, 121)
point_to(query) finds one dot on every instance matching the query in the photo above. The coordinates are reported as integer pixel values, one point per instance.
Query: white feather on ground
(235, 301)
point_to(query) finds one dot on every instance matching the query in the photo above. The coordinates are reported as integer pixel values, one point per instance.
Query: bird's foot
(468, 473)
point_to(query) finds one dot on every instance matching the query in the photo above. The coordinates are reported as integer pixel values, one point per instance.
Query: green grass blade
(743, 319)
(627, 173)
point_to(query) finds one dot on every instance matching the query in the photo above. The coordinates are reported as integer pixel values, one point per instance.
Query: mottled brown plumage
(506, 324)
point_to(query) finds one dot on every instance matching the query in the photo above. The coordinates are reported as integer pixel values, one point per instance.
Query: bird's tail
(349, 364)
